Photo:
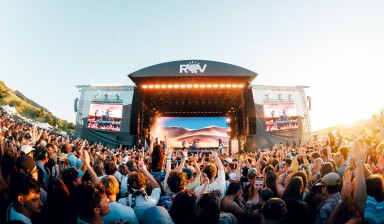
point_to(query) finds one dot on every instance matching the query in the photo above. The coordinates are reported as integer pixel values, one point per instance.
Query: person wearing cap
(331, 184)
(27, 150)
(72, 177)
(72, 159)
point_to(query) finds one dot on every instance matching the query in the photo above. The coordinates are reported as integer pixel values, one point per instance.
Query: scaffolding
(307, 123)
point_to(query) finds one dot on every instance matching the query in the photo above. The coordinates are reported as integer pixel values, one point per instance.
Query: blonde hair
(110, 184)
(317, 164)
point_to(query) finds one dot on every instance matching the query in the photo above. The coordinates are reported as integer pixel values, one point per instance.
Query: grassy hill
(353, 128)
(30, 109)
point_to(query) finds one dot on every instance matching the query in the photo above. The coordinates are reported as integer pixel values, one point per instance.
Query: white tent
(10, 110)
(45, 126)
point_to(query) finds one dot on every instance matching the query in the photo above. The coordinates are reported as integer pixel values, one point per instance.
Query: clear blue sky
(336, 47)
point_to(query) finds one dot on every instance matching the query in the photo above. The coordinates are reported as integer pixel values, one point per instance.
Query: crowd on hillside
(48, 178)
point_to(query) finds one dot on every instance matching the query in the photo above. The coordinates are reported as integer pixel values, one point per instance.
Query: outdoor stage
(193, 100)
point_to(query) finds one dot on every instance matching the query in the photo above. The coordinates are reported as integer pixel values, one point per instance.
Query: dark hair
(157, 158)
(266, 194)
(326, 168)
(374, 185)
(294, 188)
(270, 182)
(59, 202)
(288, 162)
(210, 170)
(183, 209)
(110, 168)
(233, 188)
(42, 154)
(274, 209)
(344, 152)
(209, 209)
(315, 155)
(25, 185)
(86, 197)
(333, 188)
(334, 166)
(303, 176)
(177, 181)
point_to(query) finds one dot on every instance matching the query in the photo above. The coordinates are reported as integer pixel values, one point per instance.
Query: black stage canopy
(192, 71)
(193, 87)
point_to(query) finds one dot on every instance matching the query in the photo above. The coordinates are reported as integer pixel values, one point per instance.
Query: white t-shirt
(142, 204)
(218, 184)
(15, 216)
(120, 213)
(232, 176)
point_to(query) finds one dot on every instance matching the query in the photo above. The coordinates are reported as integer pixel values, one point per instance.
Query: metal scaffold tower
(306, 123)
(79, 113)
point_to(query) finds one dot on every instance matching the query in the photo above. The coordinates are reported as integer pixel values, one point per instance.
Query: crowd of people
(48, 178)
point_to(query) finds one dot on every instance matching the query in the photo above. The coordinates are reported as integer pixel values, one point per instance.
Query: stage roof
(192, 71)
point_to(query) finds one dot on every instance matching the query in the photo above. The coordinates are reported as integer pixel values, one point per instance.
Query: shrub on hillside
(3, 90)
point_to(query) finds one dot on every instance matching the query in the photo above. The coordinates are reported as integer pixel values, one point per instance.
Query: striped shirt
(374, 211)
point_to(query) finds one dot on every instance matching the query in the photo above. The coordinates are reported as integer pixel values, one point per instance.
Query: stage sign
(105, 117)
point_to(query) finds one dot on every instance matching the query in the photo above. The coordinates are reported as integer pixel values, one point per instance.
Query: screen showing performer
(280, 117)
(192, 132)
(105, 116)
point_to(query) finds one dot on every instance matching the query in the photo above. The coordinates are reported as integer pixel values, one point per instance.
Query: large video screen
(105, 116)
(280, 117)
(195, 132)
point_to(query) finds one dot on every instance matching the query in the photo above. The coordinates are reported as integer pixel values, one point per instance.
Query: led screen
(280, 117)
(105, 116)
(200, 132)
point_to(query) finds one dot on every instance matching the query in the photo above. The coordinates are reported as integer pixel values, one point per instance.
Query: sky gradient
(336, 47)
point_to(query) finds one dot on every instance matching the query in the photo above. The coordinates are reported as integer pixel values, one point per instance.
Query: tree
(14, 103)
(3, 90)
(41, 111)
(54, 121)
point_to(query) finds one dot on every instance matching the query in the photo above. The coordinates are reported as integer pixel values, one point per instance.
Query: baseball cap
(132, 166)
(188, 172)
(72, 173)
(25, 164)
(228, 160)
(26, 149)
(330, 179)
(252, 170)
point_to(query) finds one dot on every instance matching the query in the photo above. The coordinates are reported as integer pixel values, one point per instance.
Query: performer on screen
(184, 144)
(221, 147)
(96, 114)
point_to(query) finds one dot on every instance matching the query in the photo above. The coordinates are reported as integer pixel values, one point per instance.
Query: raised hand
(85, 158)
(347, 189)
(214, 153)
(142, 167)
(169, 153)
(204, 178)
(185, 153)
(358, 152)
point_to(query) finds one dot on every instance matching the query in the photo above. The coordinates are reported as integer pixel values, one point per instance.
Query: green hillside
(30, 109)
